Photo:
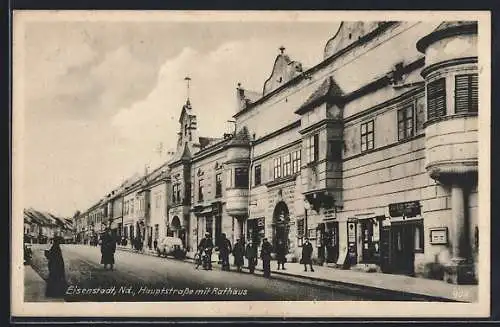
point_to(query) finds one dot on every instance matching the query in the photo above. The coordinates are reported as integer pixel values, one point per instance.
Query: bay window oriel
(312, 148)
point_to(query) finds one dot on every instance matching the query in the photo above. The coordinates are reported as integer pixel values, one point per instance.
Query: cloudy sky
(101, 96)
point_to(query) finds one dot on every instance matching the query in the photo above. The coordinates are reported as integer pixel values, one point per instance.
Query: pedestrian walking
(56, 283)
(224, 251)
(307, 251)
(265, 255)
(251, 255)
(281, 254)
(155, 244)
(239, 253)
(108, 248)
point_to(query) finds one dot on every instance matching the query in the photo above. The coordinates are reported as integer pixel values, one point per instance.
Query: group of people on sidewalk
(250, 252)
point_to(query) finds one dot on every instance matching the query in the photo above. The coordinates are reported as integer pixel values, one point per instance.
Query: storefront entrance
(399, 243)
(329, 250)
(281, 224)
(255, 230)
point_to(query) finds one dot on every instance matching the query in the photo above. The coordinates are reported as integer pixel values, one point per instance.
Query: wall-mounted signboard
(439, 235)
(405, 209)
(351, 232)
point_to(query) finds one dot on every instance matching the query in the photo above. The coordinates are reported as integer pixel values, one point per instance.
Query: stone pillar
(458, 223)
(461, 269)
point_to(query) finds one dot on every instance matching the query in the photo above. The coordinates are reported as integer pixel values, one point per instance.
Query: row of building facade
(40, 227)
(371, 154)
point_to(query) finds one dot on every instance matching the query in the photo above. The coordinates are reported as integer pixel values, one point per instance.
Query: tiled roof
(242, 137)
(327, 88)
(207, 141)
(448, 24)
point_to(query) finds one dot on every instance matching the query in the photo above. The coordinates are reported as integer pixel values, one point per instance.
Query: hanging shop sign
(405, 209)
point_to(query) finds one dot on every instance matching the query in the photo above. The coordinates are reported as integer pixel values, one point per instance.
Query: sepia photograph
(250, 163)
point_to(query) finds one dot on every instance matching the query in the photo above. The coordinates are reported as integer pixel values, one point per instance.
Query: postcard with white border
(251, 164)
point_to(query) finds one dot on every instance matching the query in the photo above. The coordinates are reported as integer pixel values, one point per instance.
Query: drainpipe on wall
(250, 171)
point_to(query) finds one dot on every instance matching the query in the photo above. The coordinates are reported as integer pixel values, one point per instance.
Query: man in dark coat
(281, 254)
(265, 255)
(238, 253)
(108, 248)
(307, 251)
(251, 254)
(56, 283)
(206, 245)
(224, 251)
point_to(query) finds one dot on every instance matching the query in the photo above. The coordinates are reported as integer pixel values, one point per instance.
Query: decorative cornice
(450, 172)
(281, 148)
(278, 132)
(326, 121)
(449, 117)
(450, 62)
(390, 102)
(385, 147)
(282, 180)
(438, 34)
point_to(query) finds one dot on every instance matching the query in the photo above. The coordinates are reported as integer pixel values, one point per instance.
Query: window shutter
(466, 93)
(436, 99)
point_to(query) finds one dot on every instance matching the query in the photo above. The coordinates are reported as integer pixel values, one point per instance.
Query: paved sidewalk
(34, 287)
(373, 281)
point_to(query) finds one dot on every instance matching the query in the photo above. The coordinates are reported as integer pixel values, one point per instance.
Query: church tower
(188, 129)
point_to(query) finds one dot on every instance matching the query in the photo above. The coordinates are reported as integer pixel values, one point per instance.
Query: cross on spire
(282, 49)
(187, 79)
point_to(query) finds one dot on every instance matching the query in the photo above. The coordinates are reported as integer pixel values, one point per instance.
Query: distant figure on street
(56, 283)
(265, 255)
(225, 249)
(108, 248)
(251, 254)
(307, 251)
(281, 254)
(150, 242)
(155, 244)
(205, 249)
(239, 253)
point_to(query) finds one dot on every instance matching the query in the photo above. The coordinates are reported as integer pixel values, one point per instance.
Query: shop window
(200, 189)
(466, 93)
(405, 122)
(312, 148)
(367, 136)
(419, 238)
(277, 168)
(300, 228)
(241, 177)
(296, 161)
(436, 99)
(218, 185)
(257, 175)
(287, 165)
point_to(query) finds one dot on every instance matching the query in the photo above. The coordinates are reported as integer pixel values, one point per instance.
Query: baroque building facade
(371, 154)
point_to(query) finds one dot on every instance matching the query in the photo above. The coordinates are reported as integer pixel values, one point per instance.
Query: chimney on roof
(241, 100)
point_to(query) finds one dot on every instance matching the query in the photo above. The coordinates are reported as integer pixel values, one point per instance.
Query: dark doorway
(281, 224)
(369, 246)
(402, 244)
(331, 242)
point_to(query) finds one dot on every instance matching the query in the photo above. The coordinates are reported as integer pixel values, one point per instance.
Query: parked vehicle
(171, 246)
(27, 254)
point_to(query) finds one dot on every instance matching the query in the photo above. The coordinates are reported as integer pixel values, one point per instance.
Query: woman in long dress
(108, 248)
(56, 283)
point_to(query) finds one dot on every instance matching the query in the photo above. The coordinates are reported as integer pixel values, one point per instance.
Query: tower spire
(188, 80)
